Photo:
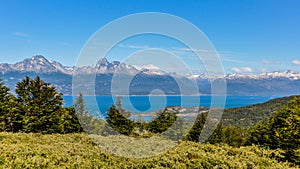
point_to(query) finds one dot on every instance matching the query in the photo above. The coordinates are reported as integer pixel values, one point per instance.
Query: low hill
(247, 116)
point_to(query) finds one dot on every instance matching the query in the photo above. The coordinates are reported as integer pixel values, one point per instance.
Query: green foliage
(89, 123)
(21, 150)
(118, 122)
(38, 107)
(79, 105)
(248, 116)
(195, 131)
(40, 104)
(230, 135)
(123, 125)
(67, 121)
(10, 119)
(282, 130)
(120, 108)
(178, 129)
(235, 123)
(163, 122)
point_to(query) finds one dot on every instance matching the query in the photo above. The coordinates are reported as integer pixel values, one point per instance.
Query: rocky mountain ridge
(145, 80)
(39, 64)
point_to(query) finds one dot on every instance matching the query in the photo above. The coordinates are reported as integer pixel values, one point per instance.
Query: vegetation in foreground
(21, 150)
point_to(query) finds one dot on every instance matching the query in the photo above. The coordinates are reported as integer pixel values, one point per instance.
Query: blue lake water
(144, 104)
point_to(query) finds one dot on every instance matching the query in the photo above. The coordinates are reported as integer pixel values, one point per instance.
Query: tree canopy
(282, 130)
(37, 107)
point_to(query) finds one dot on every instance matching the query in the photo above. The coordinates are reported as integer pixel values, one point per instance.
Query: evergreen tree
(82, 113)
(42, 107)
(281, 131)
(79, 105)
(231, 135)
(13, 116)
(195, 131)
(10, 118)
(89, 123)
(4, 92)
(163, 122)
(120, 109)
(118, 122)
(68, 121)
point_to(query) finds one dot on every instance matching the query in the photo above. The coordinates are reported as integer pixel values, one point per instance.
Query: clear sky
(252, 36)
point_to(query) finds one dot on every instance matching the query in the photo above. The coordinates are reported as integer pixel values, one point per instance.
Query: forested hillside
(248, 116)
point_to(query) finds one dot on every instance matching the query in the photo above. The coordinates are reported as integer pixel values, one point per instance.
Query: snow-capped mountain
(148, 78)
(289, 74)
(104, 66)
(39, 64)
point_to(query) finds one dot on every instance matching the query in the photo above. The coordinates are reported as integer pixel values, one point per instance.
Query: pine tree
(68, 121)
(42, 107)
(118, 122)
(10, 119)
(79, 105)
(89, 123)
(3, 95)
(120, 108)
(163, 122)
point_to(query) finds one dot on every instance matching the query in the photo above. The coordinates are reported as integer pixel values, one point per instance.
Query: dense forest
(270, 129)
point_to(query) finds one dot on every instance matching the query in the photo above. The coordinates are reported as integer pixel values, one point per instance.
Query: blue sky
(251, 36)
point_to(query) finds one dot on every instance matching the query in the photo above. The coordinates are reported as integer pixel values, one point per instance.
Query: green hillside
(248, 116)
(20, 150)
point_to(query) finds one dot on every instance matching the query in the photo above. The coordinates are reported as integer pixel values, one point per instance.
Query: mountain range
(146, 79)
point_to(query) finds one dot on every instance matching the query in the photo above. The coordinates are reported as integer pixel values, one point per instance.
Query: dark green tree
(42, 107)
(230, 135)
(10, 117)
(13, 116)
(68, 121)
(281, 131)
(4, 93)
(195, 131)
(118, 122)
(163, 122)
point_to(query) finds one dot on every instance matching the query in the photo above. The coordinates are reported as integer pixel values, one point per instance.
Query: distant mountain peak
(39, 64)
(38, 57)
(102, 62)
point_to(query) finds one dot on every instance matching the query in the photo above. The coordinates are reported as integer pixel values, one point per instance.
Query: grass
(20, 150)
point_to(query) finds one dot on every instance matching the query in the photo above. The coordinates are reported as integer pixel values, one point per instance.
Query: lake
(142, 104)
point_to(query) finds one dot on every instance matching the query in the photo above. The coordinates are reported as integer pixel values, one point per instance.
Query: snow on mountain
(270, 83)
(39, 64)
(34, 64)
(292, 75)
